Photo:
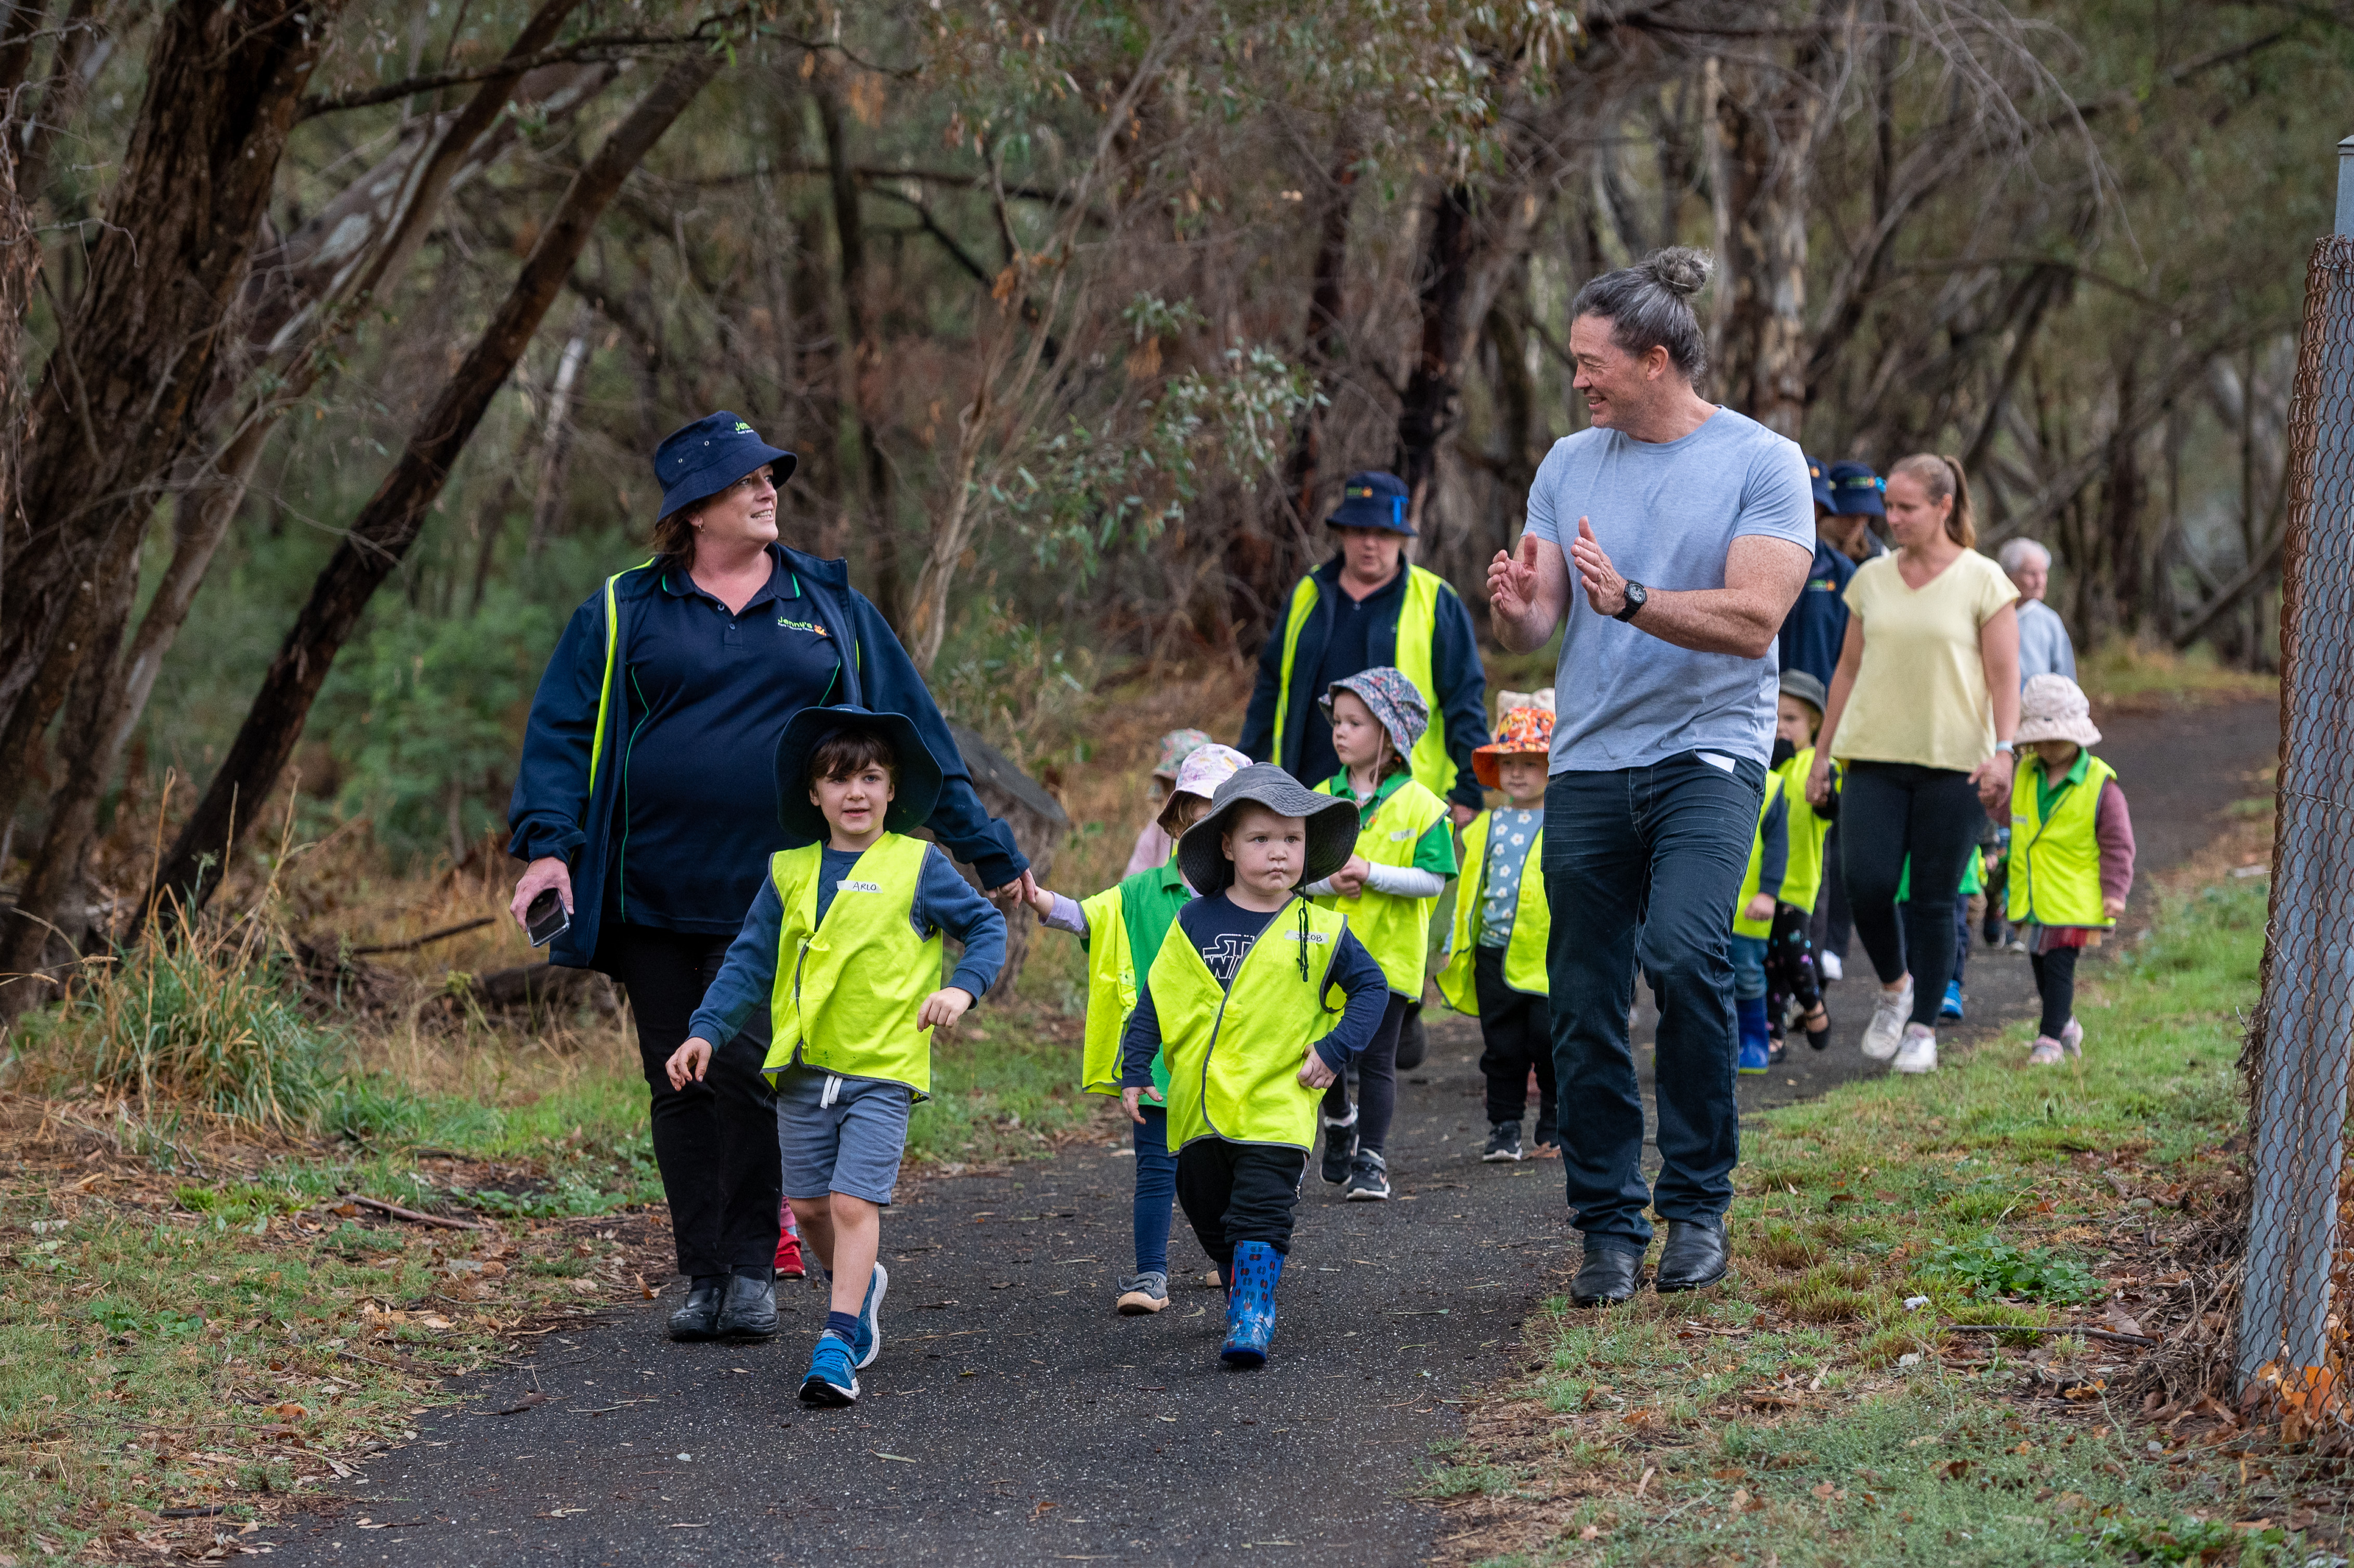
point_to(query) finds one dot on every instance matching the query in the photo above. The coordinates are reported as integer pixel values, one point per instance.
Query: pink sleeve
(1151, 851)
(2113, 831)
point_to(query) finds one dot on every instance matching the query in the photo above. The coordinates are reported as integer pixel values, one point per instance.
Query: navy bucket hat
(914, 793)
(1372, 500)
(698, 461)
(1855, 489)
(1822, 486)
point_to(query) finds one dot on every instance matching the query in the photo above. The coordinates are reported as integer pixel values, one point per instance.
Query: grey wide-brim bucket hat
(1331, 827)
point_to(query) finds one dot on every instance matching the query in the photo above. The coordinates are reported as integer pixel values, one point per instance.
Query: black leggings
(1888, 810)
(1376, 1084)
(1516, 1031)
(2055, 982)
(716, 1141)
(1790, 967)
(1237, 1193)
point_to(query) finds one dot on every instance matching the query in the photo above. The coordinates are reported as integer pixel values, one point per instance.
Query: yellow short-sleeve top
(1920, 695)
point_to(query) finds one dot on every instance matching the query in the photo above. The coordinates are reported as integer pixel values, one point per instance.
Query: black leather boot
(1696, 1254)
(698, 1317)
(1608, 1277)
(750, 1312)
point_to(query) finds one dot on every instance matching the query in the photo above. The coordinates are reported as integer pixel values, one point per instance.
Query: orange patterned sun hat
(1522, 732)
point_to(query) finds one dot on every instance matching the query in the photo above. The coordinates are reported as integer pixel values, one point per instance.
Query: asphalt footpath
(1013, 1417)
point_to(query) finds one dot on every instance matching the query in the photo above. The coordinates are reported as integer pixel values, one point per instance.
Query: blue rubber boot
(1250, 1304)
(1756, 1039)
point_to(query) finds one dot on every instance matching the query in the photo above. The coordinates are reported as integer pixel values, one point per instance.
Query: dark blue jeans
(1156, 1190)
(1642, 867)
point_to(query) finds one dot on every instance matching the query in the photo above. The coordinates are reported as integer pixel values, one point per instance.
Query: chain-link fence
(2299, 1262)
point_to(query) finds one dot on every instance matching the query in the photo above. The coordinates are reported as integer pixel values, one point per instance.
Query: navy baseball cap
(1372, 500)
(1822, 486)
(698, 461)
(1854, 489)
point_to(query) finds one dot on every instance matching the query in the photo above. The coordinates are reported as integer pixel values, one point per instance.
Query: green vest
(1804, 880)
(1235, 1053)
(1742, 924)
(1416, 625)
(849, 988)
(2056, 860)
(1114, 941)
(1524, 952)
(1395, 930)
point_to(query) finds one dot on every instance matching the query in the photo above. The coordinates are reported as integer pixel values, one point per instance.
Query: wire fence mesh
(2299, 1260)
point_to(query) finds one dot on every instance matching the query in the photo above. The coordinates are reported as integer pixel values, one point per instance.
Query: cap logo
(742, 428)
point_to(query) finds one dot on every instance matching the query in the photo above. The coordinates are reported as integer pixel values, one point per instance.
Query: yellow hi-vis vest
(1742, 924)
(2055, 860)
(1235, 1053)
(1416, 625)
(1524, 952)
(849, 988)
(1395, 930)
(1803, 880)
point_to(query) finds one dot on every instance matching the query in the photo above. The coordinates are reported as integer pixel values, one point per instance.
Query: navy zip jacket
(556, 811)
(1455, 669)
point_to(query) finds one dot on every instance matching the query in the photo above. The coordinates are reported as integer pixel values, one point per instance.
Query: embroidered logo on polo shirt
(809, 626)
(847, 885)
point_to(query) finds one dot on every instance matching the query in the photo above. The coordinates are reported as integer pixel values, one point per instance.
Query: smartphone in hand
(547, 918)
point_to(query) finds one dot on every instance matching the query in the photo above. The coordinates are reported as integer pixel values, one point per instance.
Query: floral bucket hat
(1201, 774)
(1522, 732)
(2054, 708)
(1397, 705)
(1175, 748)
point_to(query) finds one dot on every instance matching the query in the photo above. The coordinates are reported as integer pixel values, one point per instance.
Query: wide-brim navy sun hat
(697, 462)
(1855, 490)
(1822, 486)
(914, 793)
(1372, 500)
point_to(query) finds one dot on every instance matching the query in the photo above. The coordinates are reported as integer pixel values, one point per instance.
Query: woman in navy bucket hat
(645, 801)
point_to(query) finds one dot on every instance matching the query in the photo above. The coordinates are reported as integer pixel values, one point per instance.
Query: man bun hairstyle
(846, 752)
(1940, 476)
(1648, 306)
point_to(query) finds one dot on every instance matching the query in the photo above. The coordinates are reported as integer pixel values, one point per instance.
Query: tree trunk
(1765, 134)
(549, 504)
(390, 523)
(1431, 404)
(856, 352)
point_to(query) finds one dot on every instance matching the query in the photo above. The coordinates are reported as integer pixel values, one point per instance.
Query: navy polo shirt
(708, 693)
(1348, 652)
(1817, 624)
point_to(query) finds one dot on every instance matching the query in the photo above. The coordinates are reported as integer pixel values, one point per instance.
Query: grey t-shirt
(1666, 512)
(2043, 646)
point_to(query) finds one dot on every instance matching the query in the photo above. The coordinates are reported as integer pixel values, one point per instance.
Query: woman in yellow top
(1923, 708)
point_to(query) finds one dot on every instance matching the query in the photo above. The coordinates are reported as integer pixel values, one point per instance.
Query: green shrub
(1992, 1267)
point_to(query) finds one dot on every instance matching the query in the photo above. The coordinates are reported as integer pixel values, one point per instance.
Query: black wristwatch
(1636, 599)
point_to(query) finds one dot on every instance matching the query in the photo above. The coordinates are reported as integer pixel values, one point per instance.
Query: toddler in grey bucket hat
(1331, 827)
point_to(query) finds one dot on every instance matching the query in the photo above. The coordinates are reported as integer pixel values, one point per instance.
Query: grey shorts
(841, 1135)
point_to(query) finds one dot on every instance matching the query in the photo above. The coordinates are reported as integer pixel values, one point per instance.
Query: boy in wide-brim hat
(1257, 1000)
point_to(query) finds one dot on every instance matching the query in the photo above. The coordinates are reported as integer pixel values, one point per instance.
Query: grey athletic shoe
(1503, 1143)
(1369, 1178)
(1142, 1293)
(1890, 1009)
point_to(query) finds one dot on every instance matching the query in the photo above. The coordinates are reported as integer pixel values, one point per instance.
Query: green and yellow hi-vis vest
(1235, 1053)
(1395, 930)
(1742, 924)
(1416, 628)
(1803, 883)
(1524, 952)
(2056, 860)
(849, 988)
(1113, 965)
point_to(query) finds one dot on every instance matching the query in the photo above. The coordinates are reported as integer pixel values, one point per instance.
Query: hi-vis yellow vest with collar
(1743, 926)
(1235, 1053)
(1524, 952)
(2055, 860)
(1417, 627)
(1395, 930)
(1803, 880)
(849, 988)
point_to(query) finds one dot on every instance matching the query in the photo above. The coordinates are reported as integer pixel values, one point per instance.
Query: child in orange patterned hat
(1496, 952)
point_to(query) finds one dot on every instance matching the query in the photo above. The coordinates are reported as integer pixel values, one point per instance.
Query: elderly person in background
(2043, 646)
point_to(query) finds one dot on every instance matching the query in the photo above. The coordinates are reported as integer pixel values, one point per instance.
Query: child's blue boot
(1756, 1039)
(1250, 1304)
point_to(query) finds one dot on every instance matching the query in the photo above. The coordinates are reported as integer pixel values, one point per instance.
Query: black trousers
(2055, 982)
(1237, 1193)
(1516, 1034)
(1789, 966)
(1888, 810)
(1376, 1083)
(1833, 926)
(716, 1141)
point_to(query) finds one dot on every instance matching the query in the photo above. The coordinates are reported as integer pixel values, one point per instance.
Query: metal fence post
(2307, 1015)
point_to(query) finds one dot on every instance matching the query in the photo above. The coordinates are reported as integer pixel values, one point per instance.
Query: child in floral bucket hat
(1495, 955)
(2072, 852)
(1154, 842)
(1405, 853)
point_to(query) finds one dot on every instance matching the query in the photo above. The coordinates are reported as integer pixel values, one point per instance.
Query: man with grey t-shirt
(1689, 529)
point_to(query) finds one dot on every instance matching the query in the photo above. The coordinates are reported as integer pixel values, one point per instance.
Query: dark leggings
(716, 1141)
(1888, 810)
(1156, 1184)
(1790, 967)
(2055, 982)
(1376, 1083)
(1516, 1034)
(1238, 1193)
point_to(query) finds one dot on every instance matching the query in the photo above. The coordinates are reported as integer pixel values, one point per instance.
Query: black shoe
(1369, 1178)
(1414, 1041)
(1608, 1277)
(750, 1311)
(698, 1318)
(1339, 1150)
(1503, 1143)
(1774, 1051)
(1695, 1256)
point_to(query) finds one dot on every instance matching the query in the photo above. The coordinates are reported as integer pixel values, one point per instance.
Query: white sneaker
(1918, 1054)
(1828, 965)
(1886, 1030)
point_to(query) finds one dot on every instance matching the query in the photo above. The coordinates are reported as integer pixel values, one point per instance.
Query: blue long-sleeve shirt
(944, 902)
(1774, 851)
(1222, 932)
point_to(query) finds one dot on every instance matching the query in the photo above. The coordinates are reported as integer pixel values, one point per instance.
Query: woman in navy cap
(645, 802)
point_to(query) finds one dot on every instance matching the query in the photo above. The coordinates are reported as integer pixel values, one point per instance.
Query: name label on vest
(1306, 936)
(847, 885)
(1399, 836)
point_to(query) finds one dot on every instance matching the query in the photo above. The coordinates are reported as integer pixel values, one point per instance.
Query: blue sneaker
(1952, 1006)
(832, 1381)
(870, 1319)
